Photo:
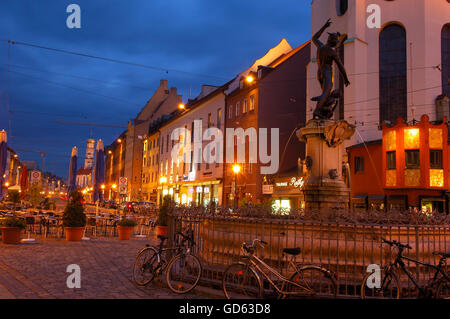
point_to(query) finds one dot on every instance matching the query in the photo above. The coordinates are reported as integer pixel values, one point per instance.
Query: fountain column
(324, 186)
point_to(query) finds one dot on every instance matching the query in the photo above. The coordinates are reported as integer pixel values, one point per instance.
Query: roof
(375, 142)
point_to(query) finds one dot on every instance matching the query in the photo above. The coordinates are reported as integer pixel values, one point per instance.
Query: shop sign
(297, 182)
(281, 184)
(206, 190)
(199, 189)
(191, 190)
(267, 189)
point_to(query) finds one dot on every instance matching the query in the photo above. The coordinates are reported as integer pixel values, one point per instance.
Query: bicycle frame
(255, 262)
(398, 263)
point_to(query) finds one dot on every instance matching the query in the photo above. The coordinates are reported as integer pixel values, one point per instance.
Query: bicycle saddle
(292, 251)
(442, 254)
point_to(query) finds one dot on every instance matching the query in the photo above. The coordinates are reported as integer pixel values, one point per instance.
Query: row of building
(397, 158)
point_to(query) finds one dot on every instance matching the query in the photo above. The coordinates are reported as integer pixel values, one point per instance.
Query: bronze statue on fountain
(326, 54)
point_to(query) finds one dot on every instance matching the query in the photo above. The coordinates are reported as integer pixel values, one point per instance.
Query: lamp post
(162, 181)
(236, 170)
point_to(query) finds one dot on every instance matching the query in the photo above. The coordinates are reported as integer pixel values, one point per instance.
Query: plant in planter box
(74, 218)
(162, 220)
(14, 197)
(11, 229)
(125, 228)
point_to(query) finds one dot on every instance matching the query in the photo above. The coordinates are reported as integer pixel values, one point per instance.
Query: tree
(34, 194)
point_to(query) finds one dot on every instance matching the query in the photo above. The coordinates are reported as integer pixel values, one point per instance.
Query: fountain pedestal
(324, 186)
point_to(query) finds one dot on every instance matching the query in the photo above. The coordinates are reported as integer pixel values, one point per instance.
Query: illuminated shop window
(282, 206)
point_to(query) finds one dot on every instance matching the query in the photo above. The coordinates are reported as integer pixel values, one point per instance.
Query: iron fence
(346, 246)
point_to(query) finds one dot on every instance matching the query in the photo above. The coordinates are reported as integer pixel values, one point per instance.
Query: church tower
(90, 151)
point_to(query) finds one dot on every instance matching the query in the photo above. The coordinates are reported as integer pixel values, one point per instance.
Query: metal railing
(346, 246)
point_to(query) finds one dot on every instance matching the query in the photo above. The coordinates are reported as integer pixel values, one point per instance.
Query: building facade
(397, 70)
(270, 94)
(408, 167)
(191, 159)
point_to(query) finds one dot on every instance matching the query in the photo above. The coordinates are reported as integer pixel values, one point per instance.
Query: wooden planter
(11, 235)
(161, 230)
(125, 232)
(74, 233)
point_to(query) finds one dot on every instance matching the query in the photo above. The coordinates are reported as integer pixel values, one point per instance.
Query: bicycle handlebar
(396, 243)
(188, 238)
(251, 248)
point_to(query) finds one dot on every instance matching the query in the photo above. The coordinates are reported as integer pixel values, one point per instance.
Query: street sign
(35, 177)
(123, 181)
(123, 190)
(123, 185)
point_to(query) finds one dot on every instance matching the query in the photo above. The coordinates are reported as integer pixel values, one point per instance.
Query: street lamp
(162, 181)
(250, 79)
(181, 106)
(236, 170)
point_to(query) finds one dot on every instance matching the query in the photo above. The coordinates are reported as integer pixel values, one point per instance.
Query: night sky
(215, 38)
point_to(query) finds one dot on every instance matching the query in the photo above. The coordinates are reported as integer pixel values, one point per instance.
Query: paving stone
(39, 270)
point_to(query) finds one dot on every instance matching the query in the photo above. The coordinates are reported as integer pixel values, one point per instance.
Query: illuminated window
(252, 103)
(245, 106)
(436, 177)
(412, 138)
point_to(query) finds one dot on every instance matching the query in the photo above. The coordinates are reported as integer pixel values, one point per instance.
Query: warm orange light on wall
(250, 79)
(181, 106)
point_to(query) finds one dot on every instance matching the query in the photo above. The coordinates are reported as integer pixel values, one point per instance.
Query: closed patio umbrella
(99, 171)
(72, 170)
(3, 151)
(24, 180)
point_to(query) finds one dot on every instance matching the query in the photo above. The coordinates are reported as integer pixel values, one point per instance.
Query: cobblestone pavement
(38, 270)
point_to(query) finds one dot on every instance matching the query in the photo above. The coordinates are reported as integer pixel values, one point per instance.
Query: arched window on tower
(445, 64)
(393, 73)
(341, 7)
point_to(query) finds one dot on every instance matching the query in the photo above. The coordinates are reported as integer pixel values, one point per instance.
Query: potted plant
(162, 220)
(125, 228)
(11, 230)
(74, 219)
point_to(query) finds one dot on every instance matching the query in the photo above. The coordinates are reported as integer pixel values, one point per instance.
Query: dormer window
(341, 7)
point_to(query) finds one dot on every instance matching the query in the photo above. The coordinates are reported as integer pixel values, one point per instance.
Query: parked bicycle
(243, 279)
(183, 269)
(438, 286)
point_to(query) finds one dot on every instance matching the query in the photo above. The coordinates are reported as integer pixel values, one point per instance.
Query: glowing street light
(114, 186)
(7, 184)
(119, 140)
(181, 106)
(236, 170)
(250, 79)
(103, 186)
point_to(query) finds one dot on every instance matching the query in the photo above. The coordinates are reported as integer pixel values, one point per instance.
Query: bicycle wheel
(146, 265)
(241, 282)
(183, 273)
(389, 286)
(443, 290)
(319, 283)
